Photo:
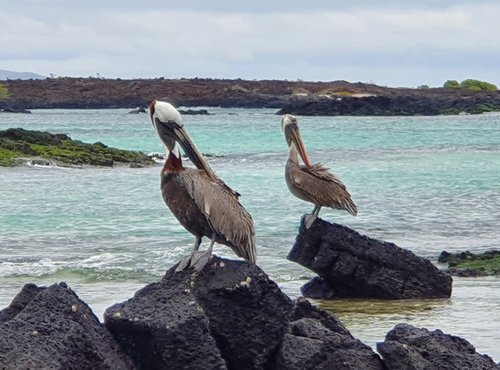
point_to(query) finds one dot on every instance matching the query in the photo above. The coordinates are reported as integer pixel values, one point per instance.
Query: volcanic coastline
(296, 97)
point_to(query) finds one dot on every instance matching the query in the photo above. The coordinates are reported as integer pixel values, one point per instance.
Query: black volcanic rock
(317, 288)
(33, 137)
(404, 103)
(355, 265)
(20, 301)
(164, 327)
(14, 110)
(410, 348)
(230, 315)
(51, 328)
(137, 110)
(361, 106)
(316, 339)
(194, 112)
(472, 264)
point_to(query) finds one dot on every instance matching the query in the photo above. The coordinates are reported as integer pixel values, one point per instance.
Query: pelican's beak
(292, 135)
(172, 130)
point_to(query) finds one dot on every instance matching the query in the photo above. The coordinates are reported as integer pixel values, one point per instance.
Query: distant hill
(12, 75)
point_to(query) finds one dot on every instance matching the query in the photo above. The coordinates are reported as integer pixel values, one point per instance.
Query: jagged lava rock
(316, 339)
(230, 315)
(411, 348)
(355, 265)
(51, 328)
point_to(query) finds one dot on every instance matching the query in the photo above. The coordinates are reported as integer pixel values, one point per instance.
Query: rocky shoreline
(19, 146)
(230, 315)
(470, 264)
(296, 97)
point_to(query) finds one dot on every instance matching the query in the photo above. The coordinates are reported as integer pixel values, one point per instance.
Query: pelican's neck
(176, 151)
(174, 160)
(293, 154)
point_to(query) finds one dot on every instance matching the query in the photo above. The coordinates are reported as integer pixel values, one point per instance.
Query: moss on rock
(17, 143)
(469, 264)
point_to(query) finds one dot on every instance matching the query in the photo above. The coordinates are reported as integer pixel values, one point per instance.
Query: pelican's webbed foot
(197, 260)
(308, 220)
(200, 260)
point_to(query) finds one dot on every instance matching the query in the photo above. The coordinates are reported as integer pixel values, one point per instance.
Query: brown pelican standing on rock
(200, 201)
(312, 182)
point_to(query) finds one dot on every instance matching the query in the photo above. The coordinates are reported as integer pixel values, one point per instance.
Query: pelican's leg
(316, 211)
(187, 261)
(310, 218)
(200, 260)
(197, 243)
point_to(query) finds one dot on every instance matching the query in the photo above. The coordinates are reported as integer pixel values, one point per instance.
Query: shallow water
(426, 183)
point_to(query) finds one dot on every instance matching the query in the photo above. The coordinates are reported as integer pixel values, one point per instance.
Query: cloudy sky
(393, 43)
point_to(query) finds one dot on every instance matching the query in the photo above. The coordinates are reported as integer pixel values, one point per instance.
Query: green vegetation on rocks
(451, 84)
(469, 264)
(470, 84)
(477, 85)
(4, 92)
(60, 148)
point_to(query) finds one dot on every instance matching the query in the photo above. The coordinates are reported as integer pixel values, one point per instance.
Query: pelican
(202, 203)
(313, 183)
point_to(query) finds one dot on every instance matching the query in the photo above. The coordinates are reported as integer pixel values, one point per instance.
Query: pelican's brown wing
(226, 186)
(227, 217)
(318, 185)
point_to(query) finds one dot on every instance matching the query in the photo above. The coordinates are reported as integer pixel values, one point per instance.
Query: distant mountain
(11, 75)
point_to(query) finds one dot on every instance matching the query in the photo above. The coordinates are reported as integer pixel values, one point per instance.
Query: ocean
(427, 184)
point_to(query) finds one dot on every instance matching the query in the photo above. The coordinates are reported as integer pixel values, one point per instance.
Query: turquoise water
(426, 183)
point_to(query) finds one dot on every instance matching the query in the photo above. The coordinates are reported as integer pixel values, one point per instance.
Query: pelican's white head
(288, 123)
(163, 114)
(290, 127)
(168, 123)
(288, 119)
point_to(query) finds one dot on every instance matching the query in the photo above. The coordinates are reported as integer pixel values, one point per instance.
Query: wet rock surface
(411, 348)
(51, 328)
(356, 266)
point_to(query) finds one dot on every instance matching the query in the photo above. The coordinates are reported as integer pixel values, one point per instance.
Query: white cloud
(392, 43)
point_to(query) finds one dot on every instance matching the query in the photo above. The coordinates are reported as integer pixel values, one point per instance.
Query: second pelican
(313, 183)
(200, 200)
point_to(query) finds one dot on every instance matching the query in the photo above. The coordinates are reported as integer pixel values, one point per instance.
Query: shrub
(451, 84)
(477, 85)
(470, 84)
